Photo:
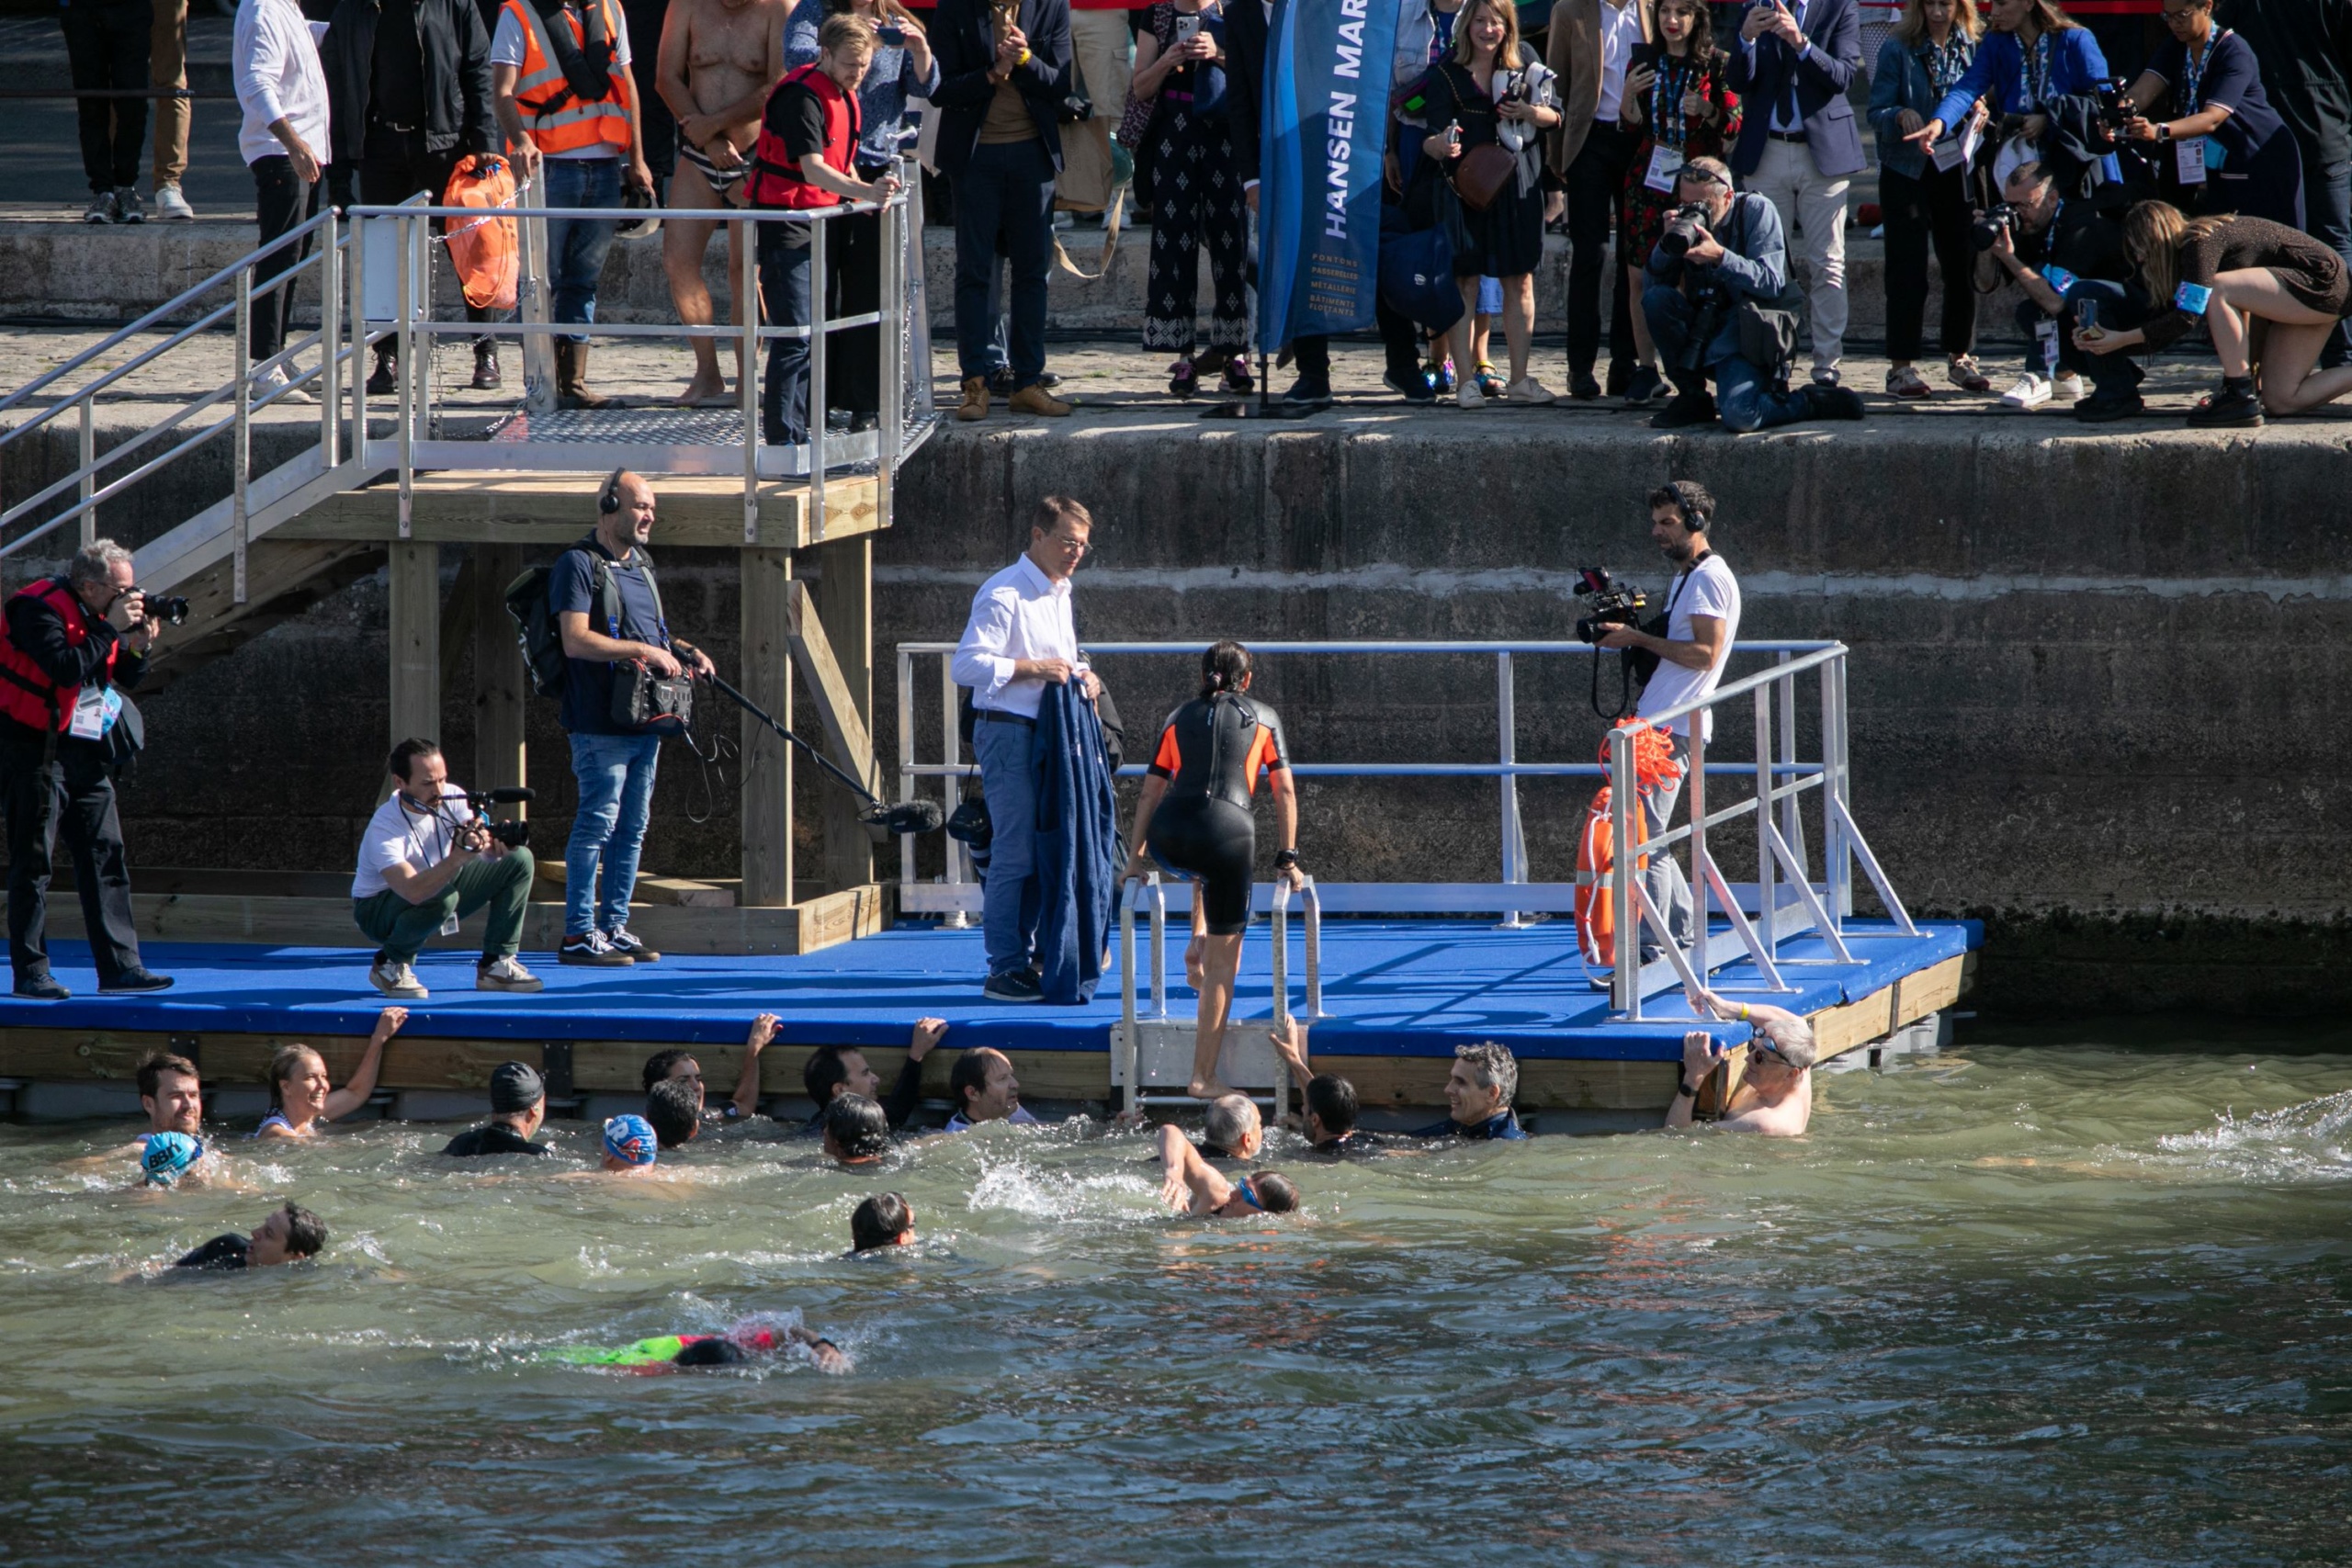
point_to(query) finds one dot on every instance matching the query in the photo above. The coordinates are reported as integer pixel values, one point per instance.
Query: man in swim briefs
(1329, 1117)
(290, 1233)
(833, 1070)
(985, 1090)
(1478, 1093)
(1191, 1185)
(1775, 1093)
(720, 61)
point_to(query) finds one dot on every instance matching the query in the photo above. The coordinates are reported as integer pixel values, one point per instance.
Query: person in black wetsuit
(291, 1233)
(518, 1105)
(1194, 819)
(1329, 1118)
(832, 1071)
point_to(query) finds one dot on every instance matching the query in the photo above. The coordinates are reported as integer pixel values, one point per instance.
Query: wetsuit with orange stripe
(1212, 751)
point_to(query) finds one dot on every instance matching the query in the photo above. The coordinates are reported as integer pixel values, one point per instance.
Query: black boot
(486, 377)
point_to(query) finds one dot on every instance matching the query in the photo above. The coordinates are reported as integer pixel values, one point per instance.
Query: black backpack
(528, 603)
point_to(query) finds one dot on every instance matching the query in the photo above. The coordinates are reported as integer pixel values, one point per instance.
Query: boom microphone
(910, 817)
(511, 797)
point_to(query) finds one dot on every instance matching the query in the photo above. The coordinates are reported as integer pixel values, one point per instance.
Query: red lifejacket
(776, 176)
(27, 694)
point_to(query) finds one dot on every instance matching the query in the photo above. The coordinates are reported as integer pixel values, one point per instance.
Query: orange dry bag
(484, 249)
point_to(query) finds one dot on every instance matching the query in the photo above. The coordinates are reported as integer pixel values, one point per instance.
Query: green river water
(2033, 1301)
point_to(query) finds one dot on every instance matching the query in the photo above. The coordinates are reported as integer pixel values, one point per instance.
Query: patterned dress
(1195, 195)
(1646, 208)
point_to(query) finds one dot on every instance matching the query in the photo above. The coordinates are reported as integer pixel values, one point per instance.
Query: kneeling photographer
(2066, 253)
(73, 645)
(1701, 622)
(1719, 304)
(430, 858)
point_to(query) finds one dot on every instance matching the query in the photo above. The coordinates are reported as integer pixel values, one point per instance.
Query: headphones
(608, 500)
(1686, 501)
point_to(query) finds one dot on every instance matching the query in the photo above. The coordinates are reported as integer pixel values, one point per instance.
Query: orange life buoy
(483, 250)
(1596, 901)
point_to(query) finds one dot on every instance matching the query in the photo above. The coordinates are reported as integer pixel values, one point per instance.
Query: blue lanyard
(2037, 72)
(1947, 65)
(2192, 72)
(1666, 100)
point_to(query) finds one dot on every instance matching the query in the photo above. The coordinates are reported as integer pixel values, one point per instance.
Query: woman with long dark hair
(2233, 272)
(1675, 93)
(1923, 191)
(1194, 819)
(1196, 194)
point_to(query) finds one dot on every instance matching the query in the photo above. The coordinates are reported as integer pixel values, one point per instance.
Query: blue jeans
(2110, 375)
(1009, 780)
(1008, 187)
(2327, 218)
(1744, 401)
(576, 246)
(784, 254)
(616, 778)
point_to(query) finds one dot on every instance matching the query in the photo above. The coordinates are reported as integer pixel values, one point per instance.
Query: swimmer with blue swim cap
(166, 1156)
(630, 1147)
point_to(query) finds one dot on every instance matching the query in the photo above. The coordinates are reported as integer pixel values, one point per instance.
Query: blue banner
(1324, 118)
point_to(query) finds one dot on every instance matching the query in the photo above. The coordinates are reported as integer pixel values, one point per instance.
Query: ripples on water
(2056, 1305)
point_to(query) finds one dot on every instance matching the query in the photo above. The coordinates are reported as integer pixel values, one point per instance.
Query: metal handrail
(1132, 889)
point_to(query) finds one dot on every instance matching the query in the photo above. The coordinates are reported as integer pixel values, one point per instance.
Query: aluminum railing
(1785, 900)
(1128, 1071)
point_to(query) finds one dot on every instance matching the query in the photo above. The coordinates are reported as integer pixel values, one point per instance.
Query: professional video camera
(513, 835)
(168, 608)
(1985, 231)
(1612, 605)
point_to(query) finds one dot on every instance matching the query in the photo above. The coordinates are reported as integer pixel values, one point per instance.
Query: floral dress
(1682, 136)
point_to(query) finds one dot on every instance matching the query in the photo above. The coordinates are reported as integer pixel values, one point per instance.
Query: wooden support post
(413, 575)
(500, 683)
(768, 592)
(837, 709)
(846, 606)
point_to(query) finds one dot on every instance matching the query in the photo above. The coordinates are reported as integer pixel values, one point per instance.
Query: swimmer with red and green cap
(764, 1335)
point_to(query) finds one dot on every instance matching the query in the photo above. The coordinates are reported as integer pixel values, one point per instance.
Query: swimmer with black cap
(1191, 1185)
(518, 1105)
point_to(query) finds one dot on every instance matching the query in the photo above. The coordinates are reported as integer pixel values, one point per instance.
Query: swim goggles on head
(1247, 1194)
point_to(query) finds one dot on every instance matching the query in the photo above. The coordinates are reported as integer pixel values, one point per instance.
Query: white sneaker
(272, 381)
(397, 980)
(2067, 389)
(1467, 396)
(2030, 392)
(170, 203)
(505, 975)
(1528, 389)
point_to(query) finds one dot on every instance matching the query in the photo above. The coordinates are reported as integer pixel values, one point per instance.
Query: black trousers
(853, 287)
(107, 46)
(1399, 340)
(282, 202)
(395, 165)
(1596, 181)
(1930, 210)
(70, 795)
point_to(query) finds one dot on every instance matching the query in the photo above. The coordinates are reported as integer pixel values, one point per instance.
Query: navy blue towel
(1078, 845)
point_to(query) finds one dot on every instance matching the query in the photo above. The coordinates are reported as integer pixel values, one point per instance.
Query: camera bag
(1768, 328)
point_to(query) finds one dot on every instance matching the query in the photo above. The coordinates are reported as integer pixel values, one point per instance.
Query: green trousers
(503, 886)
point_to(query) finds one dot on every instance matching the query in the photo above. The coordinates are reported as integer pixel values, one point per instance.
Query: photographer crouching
(73, 645)
(430, 858)
(1719, 305)
(2066, 254)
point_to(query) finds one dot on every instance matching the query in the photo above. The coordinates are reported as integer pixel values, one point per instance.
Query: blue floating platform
(1390, 988)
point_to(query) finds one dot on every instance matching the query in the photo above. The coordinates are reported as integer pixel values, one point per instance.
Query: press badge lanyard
(1666, 126)
(449, 926)
(2189, 153)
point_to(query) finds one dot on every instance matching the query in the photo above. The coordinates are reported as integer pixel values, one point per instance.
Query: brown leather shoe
(571, 376)
(976, 399)
(1037, 400)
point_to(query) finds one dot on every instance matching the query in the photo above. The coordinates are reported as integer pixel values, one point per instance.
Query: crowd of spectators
(1605, 122)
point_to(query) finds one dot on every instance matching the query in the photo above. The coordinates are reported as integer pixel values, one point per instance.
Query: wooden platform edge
(695, 511)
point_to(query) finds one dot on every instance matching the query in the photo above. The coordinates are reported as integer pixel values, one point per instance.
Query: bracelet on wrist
(1685, 1090)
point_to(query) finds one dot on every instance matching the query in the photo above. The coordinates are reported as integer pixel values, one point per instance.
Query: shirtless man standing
(720, 61)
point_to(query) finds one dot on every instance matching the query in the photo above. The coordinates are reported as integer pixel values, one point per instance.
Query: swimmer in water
(301, 1096)
(1232, 1130)
(984, 1089)
(857, 1130)
(518, 1106)
(290, 1233)
(833, 1070)
(1478, 1093)
(1191, 1185)
(1329, 1118)
(630, 1147)
(681, 1065)
(885, 1220)
(1775, 1094)
(748, 1339)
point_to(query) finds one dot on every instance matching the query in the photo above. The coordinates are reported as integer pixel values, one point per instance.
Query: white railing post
(403, 344)
(1125, 1068)
(746, 376)
(360, 228)
(240, 445)
(819, 395)
(952, 747)
(330, 341)
(1792, 807)
(1507, 754)
(89, 469)
(1626, 961)
(890, 424)
(906, 769)
(1158, 891)
(1696, 785)
(1768, 897)
(1841, 867)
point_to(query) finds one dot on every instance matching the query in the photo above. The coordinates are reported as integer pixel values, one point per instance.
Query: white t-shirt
(1621, 29)
(399, 834)
(1709, 589)
(506, 48)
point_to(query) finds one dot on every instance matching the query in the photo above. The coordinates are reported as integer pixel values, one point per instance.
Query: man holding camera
(614, 761)
(2067, 256)
(1721, 258)
(73, 645)
(1701, 624)
(428, 860)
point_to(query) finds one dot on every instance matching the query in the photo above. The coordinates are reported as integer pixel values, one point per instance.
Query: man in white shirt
(1701, 624)
(1020, 638)
(282, 93)
(424, 865)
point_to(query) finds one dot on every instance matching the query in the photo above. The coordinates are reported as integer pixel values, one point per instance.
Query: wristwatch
(2163, 131)
(1686, 1091)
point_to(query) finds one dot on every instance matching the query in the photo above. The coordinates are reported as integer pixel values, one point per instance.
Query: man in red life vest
(806, 158)
(72, 644)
